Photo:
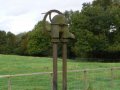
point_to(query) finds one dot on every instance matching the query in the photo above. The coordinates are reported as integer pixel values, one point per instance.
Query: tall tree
(22, 43)
(10, 42)
(38, 42)
(2, 42)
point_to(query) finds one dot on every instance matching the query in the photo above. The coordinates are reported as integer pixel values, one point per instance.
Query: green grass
(12, 64)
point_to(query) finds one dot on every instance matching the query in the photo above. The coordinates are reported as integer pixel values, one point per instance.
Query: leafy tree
(103, 3)
(2, 42)
(10, 43)
(22, 43)
(91, 27)
(38, 42)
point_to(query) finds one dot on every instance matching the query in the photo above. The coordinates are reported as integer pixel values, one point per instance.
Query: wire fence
(87, 79)
(94, 79)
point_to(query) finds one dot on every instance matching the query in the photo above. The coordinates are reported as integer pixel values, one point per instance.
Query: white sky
(21, 15)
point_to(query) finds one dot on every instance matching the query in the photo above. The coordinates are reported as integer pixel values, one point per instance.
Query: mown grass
(12, 64)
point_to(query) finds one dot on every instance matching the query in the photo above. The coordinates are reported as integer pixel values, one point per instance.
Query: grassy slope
(11, 64)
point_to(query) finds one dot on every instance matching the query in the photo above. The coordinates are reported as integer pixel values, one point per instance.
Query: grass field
(12, 64)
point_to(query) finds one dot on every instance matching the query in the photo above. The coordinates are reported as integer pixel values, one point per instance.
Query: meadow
(12, 64)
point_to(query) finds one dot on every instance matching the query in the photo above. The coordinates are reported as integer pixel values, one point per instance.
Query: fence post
(112, 78)
(85, 79)
(9, 83)
(51, 76)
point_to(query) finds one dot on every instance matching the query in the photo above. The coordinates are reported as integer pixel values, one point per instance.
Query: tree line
(96, 27)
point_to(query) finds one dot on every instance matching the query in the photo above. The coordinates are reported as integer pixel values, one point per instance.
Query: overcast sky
(21, 15)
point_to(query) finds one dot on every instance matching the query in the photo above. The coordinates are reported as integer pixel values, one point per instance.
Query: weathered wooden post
(9, 83)
(59, 33)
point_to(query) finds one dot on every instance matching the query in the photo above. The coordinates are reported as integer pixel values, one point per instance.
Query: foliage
(38, 43)
(2, 41)
(10, 42)
(92, 29)
(7, 42)
(21, 44)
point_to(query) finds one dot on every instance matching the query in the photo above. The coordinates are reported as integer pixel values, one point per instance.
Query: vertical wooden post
(51, 82)
(64, 73)
(85, 79)
(54, 66)
(112, 78)
(9, 83)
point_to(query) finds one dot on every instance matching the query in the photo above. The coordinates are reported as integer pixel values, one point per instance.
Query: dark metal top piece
(49, 14)
(59, 20)
(58, 26)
